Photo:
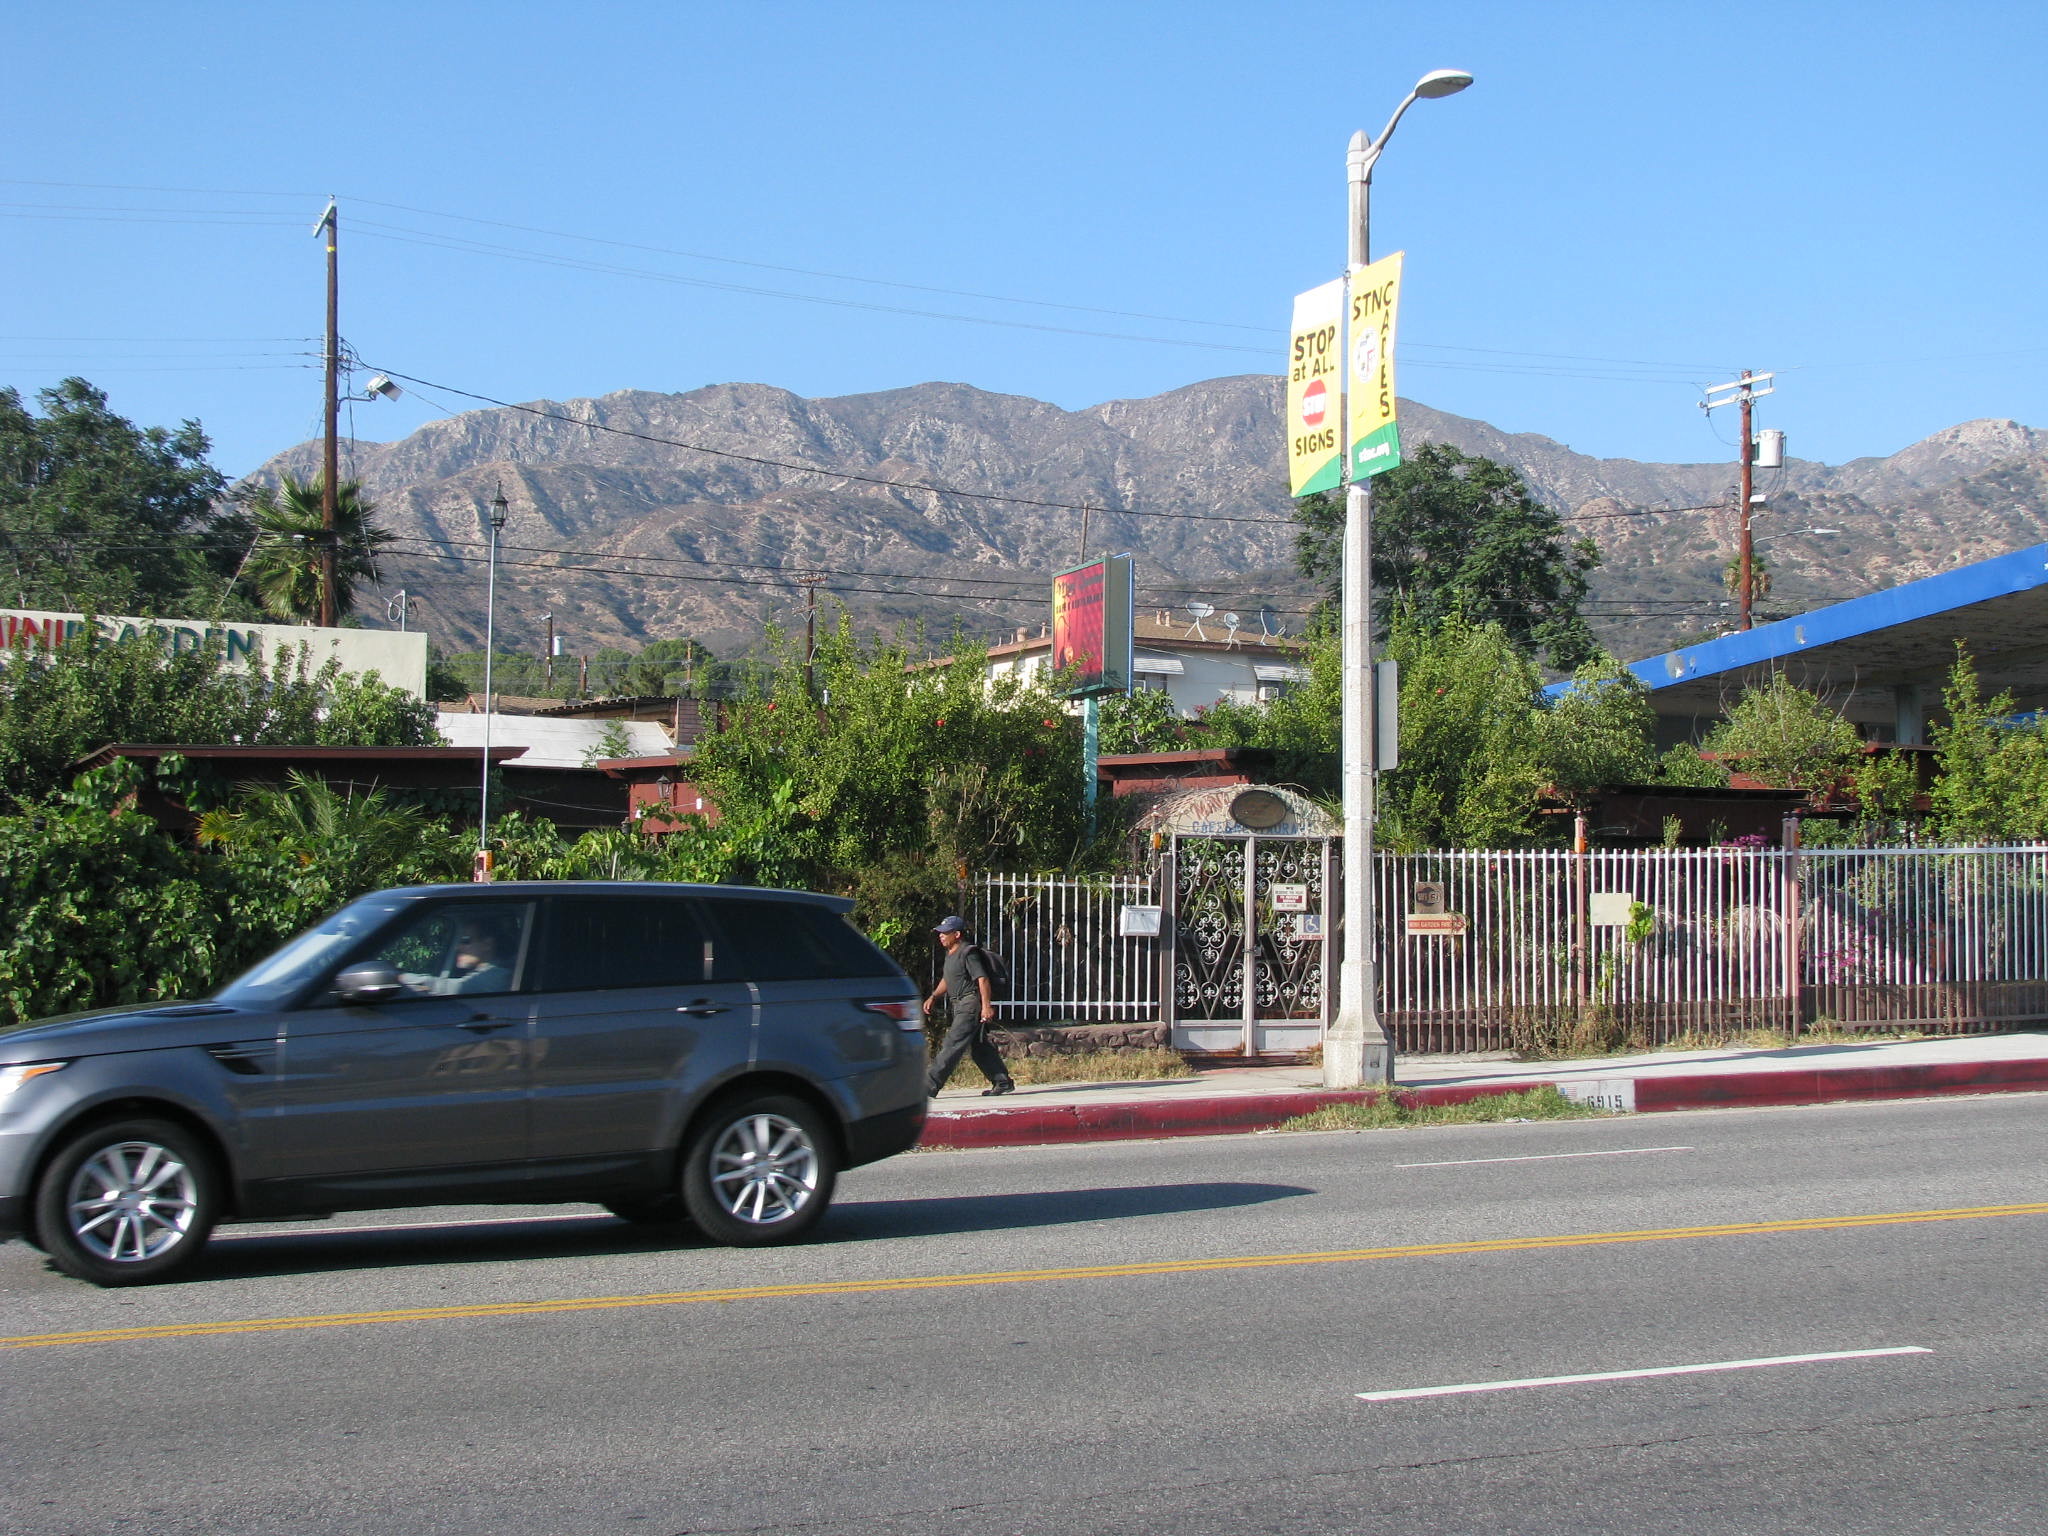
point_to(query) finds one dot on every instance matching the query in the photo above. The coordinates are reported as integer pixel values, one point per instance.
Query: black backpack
(998, 972)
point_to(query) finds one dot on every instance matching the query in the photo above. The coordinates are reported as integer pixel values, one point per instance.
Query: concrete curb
(1027, 1125)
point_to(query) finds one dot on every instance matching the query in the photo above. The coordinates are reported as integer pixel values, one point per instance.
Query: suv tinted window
(464, 947)
(623, 941)
(790, 941)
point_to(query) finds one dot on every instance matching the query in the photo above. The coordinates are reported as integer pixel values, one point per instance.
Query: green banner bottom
(1376, 452)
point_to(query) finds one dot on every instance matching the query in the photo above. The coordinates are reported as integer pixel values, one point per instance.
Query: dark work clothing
(965, 965)
(963, 1038)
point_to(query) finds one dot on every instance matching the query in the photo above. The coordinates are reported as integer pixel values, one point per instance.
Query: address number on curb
(1617, 1095)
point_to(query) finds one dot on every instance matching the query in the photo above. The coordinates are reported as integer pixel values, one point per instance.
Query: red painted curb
(1834, 1085)
(1026, 1125)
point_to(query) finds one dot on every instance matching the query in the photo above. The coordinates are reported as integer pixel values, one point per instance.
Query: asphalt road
(917, 1370)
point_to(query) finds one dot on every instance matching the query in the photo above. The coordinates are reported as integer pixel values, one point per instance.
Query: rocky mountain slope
(624, 536)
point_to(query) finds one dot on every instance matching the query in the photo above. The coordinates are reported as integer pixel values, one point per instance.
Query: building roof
(1860, 650)
(553, 743)
(292, 754)
(1162, 632)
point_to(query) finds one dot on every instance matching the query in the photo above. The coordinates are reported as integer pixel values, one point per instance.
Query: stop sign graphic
(1315, 402)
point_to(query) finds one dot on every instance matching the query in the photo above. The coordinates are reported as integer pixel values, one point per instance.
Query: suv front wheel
(126, 1202)
(759, 1171)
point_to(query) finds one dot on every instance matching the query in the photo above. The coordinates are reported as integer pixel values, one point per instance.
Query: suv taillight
(904, 1013)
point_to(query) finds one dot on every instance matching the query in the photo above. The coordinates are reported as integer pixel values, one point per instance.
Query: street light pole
(330, 459)
(1356, 1050)
(499, 512)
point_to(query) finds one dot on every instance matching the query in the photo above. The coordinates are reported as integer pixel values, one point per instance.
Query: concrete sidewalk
(1224, 1100)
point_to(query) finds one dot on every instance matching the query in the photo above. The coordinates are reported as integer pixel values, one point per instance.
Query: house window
(1146, 682)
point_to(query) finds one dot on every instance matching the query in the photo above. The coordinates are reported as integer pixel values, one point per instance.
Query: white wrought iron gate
(1250, 919)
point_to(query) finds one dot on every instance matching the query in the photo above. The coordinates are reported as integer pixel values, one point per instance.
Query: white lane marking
(1547, 1157)
(316, 1228)
(1658, 1370)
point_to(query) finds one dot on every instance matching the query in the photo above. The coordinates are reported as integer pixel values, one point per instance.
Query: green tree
(334, 844)
(1457, 534)
(56, 706)
(1302, 728)
(888, 780)
(1144, 720)
(283, 567)
(1991, 784)
(100, 906)
(1599, 732)
(99, 514)
(1472, 759)
(1786, 736)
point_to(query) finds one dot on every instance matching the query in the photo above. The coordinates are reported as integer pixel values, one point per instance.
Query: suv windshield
(303, 960)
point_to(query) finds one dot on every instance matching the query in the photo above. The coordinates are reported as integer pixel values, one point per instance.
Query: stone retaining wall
(1076, 1039)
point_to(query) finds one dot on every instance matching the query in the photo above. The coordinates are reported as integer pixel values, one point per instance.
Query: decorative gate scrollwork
(1243, 956)
(1208, 893)
(1287, 962)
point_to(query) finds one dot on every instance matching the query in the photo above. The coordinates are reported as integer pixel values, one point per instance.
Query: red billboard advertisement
(1091, 626)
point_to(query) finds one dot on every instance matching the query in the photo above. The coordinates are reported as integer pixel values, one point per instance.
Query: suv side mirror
(368, 983)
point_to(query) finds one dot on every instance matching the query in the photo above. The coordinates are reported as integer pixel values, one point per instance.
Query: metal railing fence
(1643, 946)
(1059, 941)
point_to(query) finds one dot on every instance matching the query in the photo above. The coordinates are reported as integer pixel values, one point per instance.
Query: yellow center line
(1011, 1277)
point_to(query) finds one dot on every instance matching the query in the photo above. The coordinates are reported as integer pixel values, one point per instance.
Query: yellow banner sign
(1375, 439)
(1315, 388)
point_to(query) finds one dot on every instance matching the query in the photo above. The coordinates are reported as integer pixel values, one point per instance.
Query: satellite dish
(1199, 612)
(1230, 622)
(1269, 623)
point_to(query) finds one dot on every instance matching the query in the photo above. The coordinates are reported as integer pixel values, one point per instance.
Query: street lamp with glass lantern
(1356, 1049)
(500, 510)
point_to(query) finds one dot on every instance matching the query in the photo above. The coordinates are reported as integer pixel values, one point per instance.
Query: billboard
(1091, 626)
(399, 658)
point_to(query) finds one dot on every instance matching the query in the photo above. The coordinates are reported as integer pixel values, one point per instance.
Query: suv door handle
(702, 1009)
(483, 1024)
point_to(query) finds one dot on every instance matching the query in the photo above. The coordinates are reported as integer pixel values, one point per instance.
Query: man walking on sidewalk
(966, 981)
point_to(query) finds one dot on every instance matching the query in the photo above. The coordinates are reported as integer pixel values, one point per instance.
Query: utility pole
(330, 458)
(1743, 394)
(810, 585)
(547, 664)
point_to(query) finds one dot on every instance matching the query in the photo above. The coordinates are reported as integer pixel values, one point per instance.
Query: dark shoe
(1005, 1086)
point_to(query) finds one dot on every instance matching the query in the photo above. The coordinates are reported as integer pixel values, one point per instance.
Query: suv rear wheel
(758, 1171)
(127, 1202)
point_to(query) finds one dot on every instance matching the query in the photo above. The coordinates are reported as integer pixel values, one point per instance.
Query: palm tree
(284, 562)
(353, 841)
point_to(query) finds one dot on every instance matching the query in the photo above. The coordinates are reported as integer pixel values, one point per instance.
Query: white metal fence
(1655, 944)
(1668, 943)
(1059, 941)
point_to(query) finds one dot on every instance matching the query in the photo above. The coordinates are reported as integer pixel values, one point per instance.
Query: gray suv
(678, 1053)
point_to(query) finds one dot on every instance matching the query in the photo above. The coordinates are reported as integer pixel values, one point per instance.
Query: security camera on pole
(1356, 1050)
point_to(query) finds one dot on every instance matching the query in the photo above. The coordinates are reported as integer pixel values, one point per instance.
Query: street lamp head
(1442, 82)
(500, 510)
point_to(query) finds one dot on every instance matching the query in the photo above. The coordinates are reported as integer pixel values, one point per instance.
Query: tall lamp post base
(1357, 1054)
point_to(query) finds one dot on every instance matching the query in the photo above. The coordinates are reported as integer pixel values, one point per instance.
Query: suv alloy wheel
(126, 1202)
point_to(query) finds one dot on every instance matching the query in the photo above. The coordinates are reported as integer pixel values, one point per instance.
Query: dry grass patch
(1083, 1067)
(1386, 1110)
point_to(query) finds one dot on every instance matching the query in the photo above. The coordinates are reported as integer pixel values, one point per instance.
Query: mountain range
(947, 506)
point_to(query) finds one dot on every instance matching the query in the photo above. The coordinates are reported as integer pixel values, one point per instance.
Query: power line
(928, 487)
(370, 229)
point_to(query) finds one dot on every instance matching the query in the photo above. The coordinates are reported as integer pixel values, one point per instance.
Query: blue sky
(1631, 202)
